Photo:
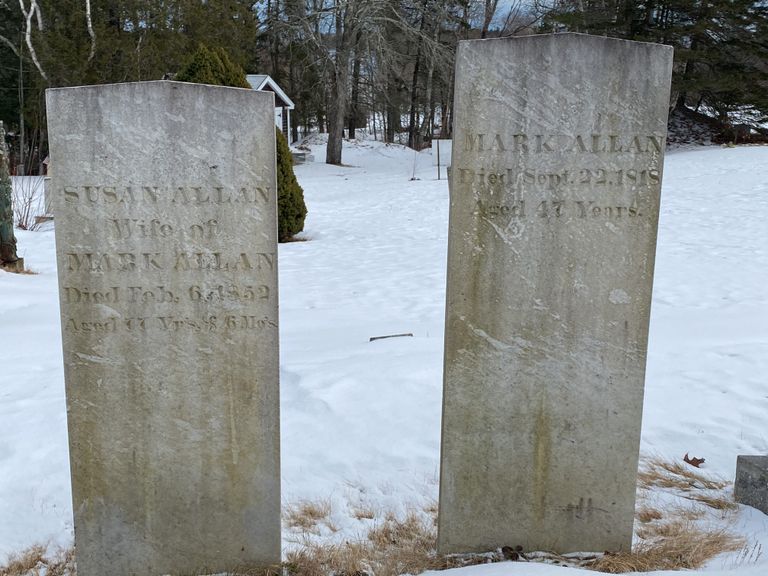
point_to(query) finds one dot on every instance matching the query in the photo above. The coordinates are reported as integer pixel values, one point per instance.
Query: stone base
(16, 267)
(751, 486)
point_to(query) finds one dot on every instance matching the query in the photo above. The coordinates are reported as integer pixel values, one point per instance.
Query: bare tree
(341, 33)
(489, 11)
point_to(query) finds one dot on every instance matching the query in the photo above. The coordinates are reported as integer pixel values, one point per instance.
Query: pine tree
(212, 67)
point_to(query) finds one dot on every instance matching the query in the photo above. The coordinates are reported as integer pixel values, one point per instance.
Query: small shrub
(28, 202)
(291, 209)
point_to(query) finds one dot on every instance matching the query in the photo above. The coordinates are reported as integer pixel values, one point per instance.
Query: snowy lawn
(361, 420)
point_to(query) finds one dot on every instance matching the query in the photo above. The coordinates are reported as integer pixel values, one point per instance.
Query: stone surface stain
(542, 437)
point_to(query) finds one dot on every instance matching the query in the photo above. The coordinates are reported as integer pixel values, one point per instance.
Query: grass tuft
(658, 473)
(307, 515)
(363, 513)
(647, 514)
(677, 545)
(392, 547)
(33, 562)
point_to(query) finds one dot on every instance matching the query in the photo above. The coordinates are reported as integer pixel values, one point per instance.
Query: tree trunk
(414, 89)
(392, 122)
(429, 100)
(447, 112)
(682, 97)
(391, 113)
(273, 17)
(488, 14)
(294, 90)
(412, 143)
(354, 104)
(338, 107)
(7, 238)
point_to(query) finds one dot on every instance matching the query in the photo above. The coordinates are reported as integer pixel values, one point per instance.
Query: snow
(360, 420)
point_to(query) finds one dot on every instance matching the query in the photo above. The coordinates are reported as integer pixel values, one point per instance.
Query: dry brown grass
(675, 537)
(658, 473)
(646, 514)
(307, 514)
(685, 482)
(363, 513)
(431, 509)
(33, 562)
(393, 547)
(321, 560)
(716, 502)
(677, 545)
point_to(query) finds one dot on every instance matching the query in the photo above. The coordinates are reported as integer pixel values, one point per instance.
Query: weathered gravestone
(557, 160)
(165, 206)
(751, 486)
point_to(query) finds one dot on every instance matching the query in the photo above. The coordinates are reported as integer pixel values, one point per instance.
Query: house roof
(265, 83)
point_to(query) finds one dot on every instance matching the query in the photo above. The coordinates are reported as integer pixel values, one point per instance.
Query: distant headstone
(556, 173)
(751, 486)
(165, 204)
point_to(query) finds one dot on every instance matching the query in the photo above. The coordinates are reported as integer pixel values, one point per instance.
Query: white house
(283, 104)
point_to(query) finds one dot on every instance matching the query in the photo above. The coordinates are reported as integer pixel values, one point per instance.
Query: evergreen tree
(212, 67)
(290, 201)
(10, 45)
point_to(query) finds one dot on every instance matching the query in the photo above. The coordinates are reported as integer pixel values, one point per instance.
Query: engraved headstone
(556, 172)
(164, 195)
(751, 486)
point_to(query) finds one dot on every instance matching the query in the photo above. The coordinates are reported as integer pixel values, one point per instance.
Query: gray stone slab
(555, 182)
(164, 195)
(751, 486)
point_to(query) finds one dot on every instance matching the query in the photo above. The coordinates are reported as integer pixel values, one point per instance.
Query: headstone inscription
(165, 203)
(556, 175)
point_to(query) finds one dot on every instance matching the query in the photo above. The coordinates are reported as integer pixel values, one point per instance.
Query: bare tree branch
(89, 23)
(10, 45)
(34, 10)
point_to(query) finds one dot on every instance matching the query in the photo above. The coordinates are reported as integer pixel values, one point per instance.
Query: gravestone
(165, 204)
(556, 172)
(751, 486)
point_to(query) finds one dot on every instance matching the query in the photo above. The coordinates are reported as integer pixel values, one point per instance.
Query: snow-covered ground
(361, 420)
